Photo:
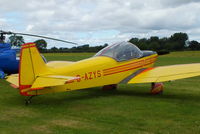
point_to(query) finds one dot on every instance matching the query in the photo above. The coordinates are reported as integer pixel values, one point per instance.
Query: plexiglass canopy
(122, 51)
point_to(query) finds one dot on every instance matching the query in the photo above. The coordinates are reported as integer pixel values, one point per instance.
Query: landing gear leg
(28, 100)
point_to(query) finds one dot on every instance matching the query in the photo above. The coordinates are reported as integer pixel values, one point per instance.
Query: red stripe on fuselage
(128, 69)
(130, 64)
(110, 69)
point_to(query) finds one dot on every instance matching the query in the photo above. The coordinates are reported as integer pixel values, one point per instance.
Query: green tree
(16, 40)
(105, 45)
(194, 45)
(54, 49)
(83, 48)
(163, 42)
(171, 46)
(154, 46)
(179, 39)
(154, 39)
(134, 40)
(41, 44)
(142, 44)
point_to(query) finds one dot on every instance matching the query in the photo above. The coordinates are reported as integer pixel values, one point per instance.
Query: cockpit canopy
(122, 51)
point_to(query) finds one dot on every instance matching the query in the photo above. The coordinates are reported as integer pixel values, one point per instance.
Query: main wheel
(157, 88)
(109, 87)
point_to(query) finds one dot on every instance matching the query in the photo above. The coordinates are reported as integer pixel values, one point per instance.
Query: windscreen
(121, 51)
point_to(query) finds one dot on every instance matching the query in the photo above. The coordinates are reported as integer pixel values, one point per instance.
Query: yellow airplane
(118, 63)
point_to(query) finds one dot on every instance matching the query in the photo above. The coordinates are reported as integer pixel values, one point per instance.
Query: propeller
(33, 35)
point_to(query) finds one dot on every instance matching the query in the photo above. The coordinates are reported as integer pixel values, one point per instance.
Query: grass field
(129, 110)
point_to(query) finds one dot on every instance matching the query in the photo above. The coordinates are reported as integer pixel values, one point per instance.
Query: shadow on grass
(88, 94)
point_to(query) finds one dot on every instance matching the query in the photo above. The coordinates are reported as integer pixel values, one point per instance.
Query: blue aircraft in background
(9, 62)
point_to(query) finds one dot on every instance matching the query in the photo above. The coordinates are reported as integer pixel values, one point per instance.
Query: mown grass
(129, 110)
(67, 56)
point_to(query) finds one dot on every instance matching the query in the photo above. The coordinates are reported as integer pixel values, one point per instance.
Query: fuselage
(97, 71)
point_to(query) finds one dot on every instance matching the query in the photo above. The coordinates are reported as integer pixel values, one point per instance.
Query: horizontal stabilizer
(167, 73)
(14, 80)
(52, 80)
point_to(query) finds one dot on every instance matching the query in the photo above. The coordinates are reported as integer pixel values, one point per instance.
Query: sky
(97, 22)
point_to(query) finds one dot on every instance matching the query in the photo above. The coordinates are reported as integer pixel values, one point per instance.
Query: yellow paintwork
(31, 64)
(38, 77)
(14, 79)
(167, 73)
(92, 72)
(92, 66)
(53, 80)
(57, 64)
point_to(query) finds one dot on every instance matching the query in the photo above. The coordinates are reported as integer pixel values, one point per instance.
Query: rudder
(31, 65)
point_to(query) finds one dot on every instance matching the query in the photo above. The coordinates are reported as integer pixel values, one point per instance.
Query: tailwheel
(28, 100)
(157, 88)
(109, 87)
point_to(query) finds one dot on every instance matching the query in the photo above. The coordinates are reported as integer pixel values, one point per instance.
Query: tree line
(176, 42)
(83, 48)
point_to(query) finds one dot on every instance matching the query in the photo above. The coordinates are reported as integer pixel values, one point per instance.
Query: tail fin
(31, 65)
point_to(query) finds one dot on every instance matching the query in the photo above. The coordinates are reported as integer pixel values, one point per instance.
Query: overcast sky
(101, 21)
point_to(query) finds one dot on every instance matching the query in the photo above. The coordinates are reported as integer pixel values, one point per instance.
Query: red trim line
(109, 69)
(28, 47)
(71, 81)
(24, 86)
(123, 65)
(128, 69)
(148, 69)
(122, 68)
(30, 43)
(38, 88)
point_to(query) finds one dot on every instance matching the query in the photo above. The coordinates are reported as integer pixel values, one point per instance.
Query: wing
(52, 80)
(167, 73)
(14, 80)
